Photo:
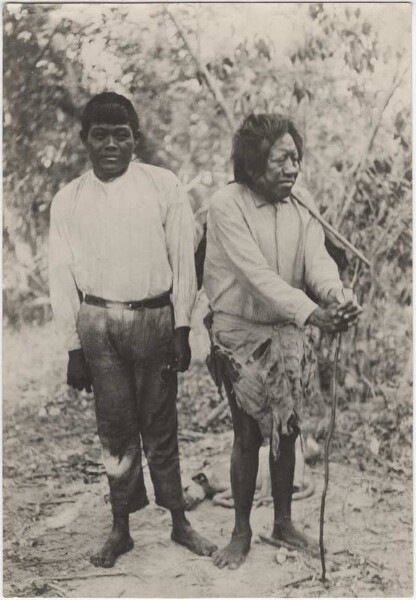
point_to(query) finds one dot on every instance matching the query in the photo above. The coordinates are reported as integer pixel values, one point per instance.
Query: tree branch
(397, 80)
(212, 84)
(44, 49)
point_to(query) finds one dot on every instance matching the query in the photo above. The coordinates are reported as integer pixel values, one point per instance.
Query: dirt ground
(56, 510)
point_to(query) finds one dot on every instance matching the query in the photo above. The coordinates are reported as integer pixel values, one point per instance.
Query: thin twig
(288, 546)
(216, 413)
(94, 575)
(298, 581)
(191, 435)
(47, 502)
(356, 273)
(58, 589)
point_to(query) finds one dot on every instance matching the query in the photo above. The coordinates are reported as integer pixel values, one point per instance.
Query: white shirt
(128, 239)
(260, 256)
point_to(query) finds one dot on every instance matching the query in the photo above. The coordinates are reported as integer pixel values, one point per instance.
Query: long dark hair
(253, 141)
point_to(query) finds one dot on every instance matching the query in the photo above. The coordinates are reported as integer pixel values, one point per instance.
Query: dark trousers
(126, 351)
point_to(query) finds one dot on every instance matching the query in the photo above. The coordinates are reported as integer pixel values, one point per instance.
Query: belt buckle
(136, 305)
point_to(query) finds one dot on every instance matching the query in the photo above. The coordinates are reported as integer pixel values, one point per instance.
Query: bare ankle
(121, 523)
(243, 531)
(179, 520)
(283, 520)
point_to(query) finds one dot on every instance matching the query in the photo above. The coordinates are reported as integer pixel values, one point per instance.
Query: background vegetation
(193, 72)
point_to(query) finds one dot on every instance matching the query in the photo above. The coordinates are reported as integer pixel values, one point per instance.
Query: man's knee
(247, 440)
(117, 431)
(161, 446)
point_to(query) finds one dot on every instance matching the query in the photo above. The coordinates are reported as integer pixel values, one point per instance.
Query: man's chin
(283, 190)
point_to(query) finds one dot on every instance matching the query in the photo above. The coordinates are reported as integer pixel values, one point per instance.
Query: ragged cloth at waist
(270, 366)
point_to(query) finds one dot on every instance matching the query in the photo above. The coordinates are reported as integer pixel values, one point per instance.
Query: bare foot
(188, 537)
(285, 533)
(234, 554)
(119, 542)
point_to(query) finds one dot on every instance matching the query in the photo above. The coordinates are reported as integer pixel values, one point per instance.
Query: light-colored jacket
(260, 257)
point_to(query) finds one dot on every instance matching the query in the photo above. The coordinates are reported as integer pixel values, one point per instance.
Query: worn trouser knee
(160, 444)
(123, 465)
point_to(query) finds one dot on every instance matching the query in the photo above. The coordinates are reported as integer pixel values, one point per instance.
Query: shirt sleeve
(180, 235)
(321, 271)
(62, 287)
(252, 269)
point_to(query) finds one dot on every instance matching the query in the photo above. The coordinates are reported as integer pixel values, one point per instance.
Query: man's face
(282, 169)
(110, 148)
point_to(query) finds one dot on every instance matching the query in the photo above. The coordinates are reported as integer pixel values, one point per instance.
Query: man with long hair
(263, 249)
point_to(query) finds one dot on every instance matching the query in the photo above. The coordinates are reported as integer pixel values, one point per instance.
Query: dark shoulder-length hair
(253, 141)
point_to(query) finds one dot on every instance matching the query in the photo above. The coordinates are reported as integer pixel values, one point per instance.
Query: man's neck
(268, 196)
(105, 178)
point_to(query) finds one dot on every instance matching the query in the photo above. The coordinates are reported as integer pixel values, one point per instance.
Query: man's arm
(180, 240)
(321, 275)
(251, 268)
(65, 300)
(62, 287)
(180, 243)
(321, 271)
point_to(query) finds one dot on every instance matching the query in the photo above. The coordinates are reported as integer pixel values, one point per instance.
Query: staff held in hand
(341, 312)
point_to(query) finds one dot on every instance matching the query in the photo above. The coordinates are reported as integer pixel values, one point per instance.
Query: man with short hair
(263, 249)
(122, 239)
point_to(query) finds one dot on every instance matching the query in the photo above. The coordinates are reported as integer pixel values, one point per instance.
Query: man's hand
(181, 349)
(78, 373)
(336, 317)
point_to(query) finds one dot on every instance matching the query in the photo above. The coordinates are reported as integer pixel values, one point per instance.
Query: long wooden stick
(331, 230)
(326, 457)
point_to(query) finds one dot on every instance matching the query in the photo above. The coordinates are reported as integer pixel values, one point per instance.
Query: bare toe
(112, 549)
(234, 553)
(285, 534)
(196, 543)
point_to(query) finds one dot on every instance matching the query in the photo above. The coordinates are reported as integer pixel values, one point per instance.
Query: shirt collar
(112, 183)
(259, 201)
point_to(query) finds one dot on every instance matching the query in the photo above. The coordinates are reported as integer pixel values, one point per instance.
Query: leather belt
(157, 302)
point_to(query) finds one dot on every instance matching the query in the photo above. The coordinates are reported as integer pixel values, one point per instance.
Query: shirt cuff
(304, 312)
(335, 285)
(182, 319)
(73, 342)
